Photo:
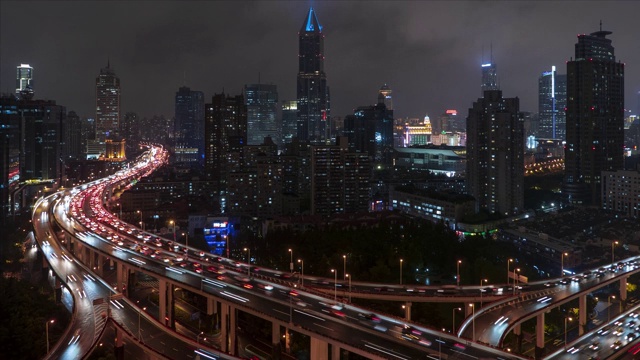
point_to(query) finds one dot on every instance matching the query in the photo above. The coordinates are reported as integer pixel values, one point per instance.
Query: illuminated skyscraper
(495, 154)
(489, 77)
(552, 100)
(312, 89)
(595, 117)
(262, 107)
(289, 121)
(24, 80)
(384, 97)
(107, 103)
(189, 120)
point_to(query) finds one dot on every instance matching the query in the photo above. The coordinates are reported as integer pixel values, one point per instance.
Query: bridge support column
(111, 263)
(118, 348)
(45, 267)
(88, 255)
(78, 250)
(335, 351)
(623, 292)
(539, 336)
(99, 264)
(58, 288)
(319, 349)
(232, 330)
(212, 306)
(276, 340)
(224, 326)
(162, 302)
(582, 316)
(407, 310)
(517, 331)
(120, 276)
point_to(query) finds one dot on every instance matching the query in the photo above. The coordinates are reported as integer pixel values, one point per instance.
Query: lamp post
(141, 223)
(562, 263)
(516, 272)
(344, 258)
(198, 337)
(302, 274)
(46, 326)
(120, 207)
(609, 307)
(249, 261)
(481, 289)
(349, 277)
(291, 260)
(400, 271)
(186, 239)
(613, 258)
(565, 330)
(335, 284)
(453, 324)
(173, 223)
(508, 263)
(473, 321)
(458, 272)
(139, 327)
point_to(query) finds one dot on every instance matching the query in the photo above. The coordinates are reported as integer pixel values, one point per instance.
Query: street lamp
(139, 327)
(565, 330)
(400, 271)
(612, 251)
(349, 277)
(515, 281)
(141, 223)
(344, 258)
(482, 290)
(473, 321)
(562, 264)
(120, 207)
(248, 262)
(291, 260)
(46, 326)
(453, 324)
(186, 239)
(335, 285)
(198, 337)
(302, 274)
(171, 222)
(609, 307)
(508, 263)
(458, 272)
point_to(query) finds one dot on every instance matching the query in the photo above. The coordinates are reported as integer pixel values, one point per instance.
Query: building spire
(311, 23)
(108, 62)
(600, 24)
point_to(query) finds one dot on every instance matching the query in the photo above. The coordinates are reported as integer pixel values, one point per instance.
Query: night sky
(428, 52)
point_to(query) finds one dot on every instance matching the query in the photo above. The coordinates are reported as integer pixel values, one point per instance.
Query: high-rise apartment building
(225, 131)
(289, 121)
(24, 81)
(621, 192)
(595, 117)
(340, 179)
(384, 97)
(189, 120)
(552, 101)
(73, 137)
(370, 131)
(489, 77)
(495, 153)
(107, 103)
(262, 108)
(312, 89)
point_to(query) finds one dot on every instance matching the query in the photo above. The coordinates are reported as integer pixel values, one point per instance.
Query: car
(616, 345)
(565, 281)
(411, 330)
(594, 345)
(266, 287)
(631, 336)
(604, 331)
(370, 317)
(247, 286)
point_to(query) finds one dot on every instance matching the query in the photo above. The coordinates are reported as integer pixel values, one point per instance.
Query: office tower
(312, 89)
(340, 179)
(130, 128)
(384, 97)
(489, 77)
(289, 121)
(73, 137)
(10, 145)
(225, 131)
(107, 103)
(595, 117)
(262, 103)
(495, 147)
(189, 119)
(370, 130)
(552, 100)
(24, 81)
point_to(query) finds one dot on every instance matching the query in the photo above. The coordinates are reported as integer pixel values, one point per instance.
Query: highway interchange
(81, 213)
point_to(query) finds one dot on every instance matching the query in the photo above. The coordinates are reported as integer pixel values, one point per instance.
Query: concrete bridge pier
(118, 348)
(582, 316)
(623, 292)
(517, 331)
(275, 340)
(407, 310)
(319, 349)
(539, 354)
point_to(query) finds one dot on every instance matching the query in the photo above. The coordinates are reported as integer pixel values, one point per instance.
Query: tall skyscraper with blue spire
(312, 89)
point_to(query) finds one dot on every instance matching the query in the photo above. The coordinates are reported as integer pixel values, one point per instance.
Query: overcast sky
(428, 52)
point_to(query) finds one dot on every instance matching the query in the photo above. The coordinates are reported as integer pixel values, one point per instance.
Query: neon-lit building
(447, 160)
(107, 103)
(552, 100)
(24, 80)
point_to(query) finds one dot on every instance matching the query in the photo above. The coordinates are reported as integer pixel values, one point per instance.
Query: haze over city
(429, 53)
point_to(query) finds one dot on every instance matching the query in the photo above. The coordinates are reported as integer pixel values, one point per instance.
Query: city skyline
(428, 53)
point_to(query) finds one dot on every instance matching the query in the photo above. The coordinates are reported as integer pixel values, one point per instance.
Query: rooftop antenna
(184, 77)
(483, 53)
(258, 77)
(108, 61)
(600, 24)
(491, 52)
